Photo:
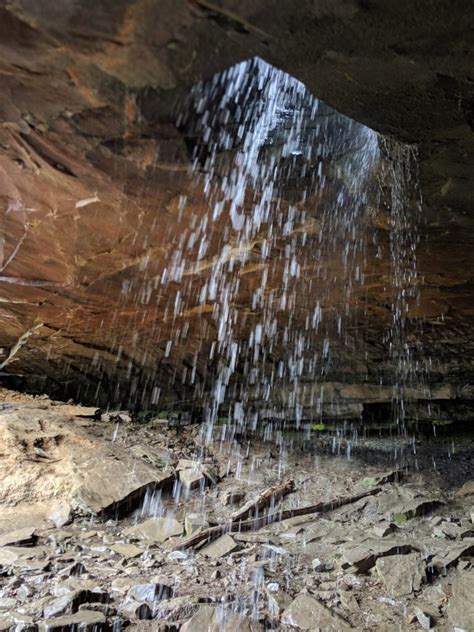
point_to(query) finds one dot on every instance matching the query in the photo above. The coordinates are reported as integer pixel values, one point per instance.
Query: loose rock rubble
(400, 558)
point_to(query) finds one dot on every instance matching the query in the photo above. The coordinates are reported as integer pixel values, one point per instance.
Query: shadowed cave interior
(235, 316)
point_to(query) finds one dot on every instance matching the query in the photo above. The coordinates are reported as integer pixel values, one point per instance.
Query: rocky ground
(107, 524)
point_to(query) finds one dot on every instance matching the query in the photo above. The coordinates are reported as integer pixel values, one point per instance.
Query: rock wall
(93, 171)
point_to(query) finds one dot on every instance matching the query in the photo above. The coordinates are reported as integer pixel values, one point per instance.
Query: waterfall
(291, 187)
(405, 215)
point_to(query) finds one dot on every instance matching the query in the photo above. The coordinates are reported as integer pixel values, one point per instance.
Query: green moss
(441, 422)
(141, 417)
(399, 518)
(318, 427)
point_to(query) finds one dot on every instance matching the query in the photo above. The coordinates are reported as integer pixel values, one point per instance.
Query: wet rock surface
(341, 568)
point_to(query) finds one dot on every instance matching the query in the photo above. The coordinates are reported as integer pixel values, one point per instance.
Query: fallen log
(328, 506)
(272, 494)
(235, 526)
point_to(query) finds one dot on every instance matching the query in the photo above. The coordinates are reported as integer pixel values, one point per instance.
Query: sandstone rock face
(54, 464)
(93, 172)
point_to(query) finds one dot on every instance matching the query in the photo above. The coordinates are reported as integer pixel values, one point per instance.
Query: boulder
(218, 619)
(176, 608)
(461, 604)
(453, 531)
(364, 555)
(127, 550)
(132, 609)
(159, 458)
(194, 474)
(155, 529)
(277, 600)
(466, 490)
(7, 557)
(414, 508)
(401, 574)
(307, 613)
(18, 555)
(83, 621)
(195, 521)
(192, 478)
(425, 619)
(69, 603)
(349, 601)
(220, 547)
(21, 537)
(384, 528)
(232, 496)
(150, 592)
(8, 603)
(319, 566)
(449, 558)
(402, 504)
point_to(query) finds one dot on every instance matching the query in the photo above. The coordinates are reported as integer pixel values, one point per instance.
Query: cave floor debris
(95, 510)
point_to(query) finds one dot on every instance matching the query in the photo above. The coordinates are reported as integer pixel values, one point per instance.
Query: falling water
(292, 187)
(405, 207)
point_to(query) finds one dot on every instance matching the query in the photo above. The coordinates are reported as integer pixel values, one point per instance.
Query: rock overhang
(96, 137)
